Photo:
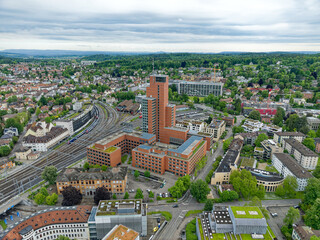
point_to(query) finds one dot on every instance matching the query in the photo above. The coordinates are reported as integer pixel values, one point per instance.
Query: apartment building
(248, 138)
(252, 125)
(50, 224)
(278, 137)
(216, 128)
(179, 160)
(114, 179)
(269, 147)
(192, 125)
(313, 123)
(108, 151)
(200, 89)
(302, 232)
(287, 166)
(270, 129)
(131, 213)
(303, 155)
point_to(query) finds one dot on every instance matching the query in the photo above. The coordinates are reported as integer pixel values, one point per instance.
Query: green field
(247, 162)
(193, 212)
(246, 210)
(165, 214)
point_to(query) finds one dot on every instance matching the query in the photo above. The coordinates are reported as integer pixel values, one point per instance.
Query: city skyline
(179, 26)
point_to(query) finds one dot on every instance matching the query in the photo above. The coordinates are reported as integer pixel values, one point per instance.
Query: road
(62, 157)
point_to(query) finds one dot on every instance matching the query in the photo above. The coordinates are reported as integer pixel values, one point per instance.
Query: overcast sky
(161, 25)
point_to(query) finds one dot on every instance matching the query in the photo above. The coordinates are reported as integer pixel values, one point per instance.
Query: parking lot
(277, 221)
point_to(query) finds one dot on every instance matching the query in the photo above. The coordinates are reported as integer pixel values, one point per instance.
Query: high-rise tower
(156, 112)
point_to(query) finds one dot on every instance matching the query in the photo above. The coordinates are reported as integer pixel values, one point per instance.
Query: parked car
(175, 206)
(274, 214)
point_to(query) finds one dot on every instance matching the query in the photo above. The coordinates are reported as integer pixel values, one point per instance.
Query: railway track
(64, 156)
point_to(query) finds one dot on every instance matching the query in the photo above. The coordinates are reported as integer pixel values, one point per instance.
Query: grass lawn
(124, 158)
(270, 231)
(191, 230)
(271, 169)
(247, 162)
(248, 237)
(3, 225)
(165, 214)
(193, 212)
(246, 211)
(273, 196)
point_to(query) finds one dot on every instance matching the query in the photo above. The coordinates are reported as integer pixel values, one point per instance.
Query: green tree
(52, 199)
(255, 115)
(312, 191)
(290, 185)
(237, 129)
(147, 174)
(136, 174)
(227, 143)
(104, 168)
(316, 171)
(126, 195)
(209, 205)
(39, 198)
(199, 190)
(314, 237)
(293, 215)
(86, 166)
(50, 174)
(114, 196)
(309, 143)
(312, 218)
(261, 137)
(44, 191)
(227, 196)
(280, 191)
(312, 134)
(278, 118)
(151, 194)
(139, 194)
(61, 237)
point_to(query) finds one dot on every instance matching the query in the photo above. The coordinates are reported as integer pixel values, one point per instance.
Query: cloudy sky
(161, 25)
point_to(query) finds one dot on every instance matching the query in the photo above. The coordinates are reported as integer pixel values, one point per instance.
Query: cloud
(174, 25)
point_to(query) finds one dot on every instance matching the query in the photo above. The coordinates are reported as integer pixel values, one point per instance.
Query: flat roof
(228, 159)
(111, 207)
(290, 134)
(202, 83)
(120, 232)
(300, 147)
(246, 212)
(188, 145)
(292, 165)
(114, 136)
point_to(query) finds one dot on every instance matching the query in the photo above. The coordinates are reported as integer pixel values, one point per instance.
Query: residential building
(180, 160)
(216, 128)
(313, 123)
(114, 179)
(192, 125)
(200, 89)
(108, 151)
(43, 143)
(11, 131)
(229, 121)
(303, 155)
(248, 138)
(50, 224)
(39, 129)
(131, 213)
(287, 166)
(121, 232)
(302, 232)
(270, 147)
(22, 153)
(271, 129)
(252, 125)
(278, 137)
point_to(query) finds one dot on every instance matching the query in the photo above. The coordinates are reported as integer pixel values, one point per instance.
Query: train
(89, 129)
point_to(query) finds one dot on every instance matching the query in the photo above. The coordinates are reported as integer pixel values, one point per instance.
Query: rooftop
(246, 212)
(75, 174)
(143, 135)
(227, 161)
(121, 207)
(300, 147)
(290, 134)
(187, 147)
(120, 232)
(292, 165)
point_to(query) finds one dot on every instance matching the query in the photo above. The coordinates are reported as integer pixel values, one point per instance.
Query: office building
(216, 128)
(120, 232)
(114, 179)
(109, 213)
(303, 155)
(200, 89)
(287, 166)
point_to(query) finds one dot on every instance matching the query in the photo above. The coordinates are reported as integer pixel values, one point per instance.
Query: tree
(255, 115)
(71, 196)
(39, 198)
(104, 168)
(237, 129)
(86, 166)
(312, 218)
(4, 151)
(314, 237)
(312, 134)
(227, 196)
(44, 191)
(180, 186)
(312, 191)
(101, 193)
(151, 194)
(50, 174)
(147, 174)
(126, 195)
(290, 185)
(114, 196)
(139, 194)
(199, 190)
(52, 199)
(309, 143)
(278, 118)
(261, 137)
(280, 191)
(316, 171)
(209, 205)
(61, 237)
(293, 215)
(38, 111)
(226, 144)
(136, 174)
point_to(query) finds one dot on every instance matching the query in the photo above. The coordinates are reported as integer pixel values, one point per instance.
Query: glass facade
(200, 89)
